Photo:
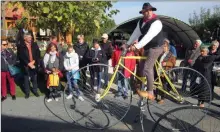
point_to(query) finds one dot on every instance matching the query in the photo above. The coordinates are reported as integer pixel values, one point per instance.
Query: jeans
(106, 74)
(98, 81)
(122, 84)
(72, 83)
(32, 76)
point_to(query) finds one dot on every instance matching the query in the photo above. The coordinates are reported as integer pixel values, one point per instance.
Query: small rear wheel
(192, 87)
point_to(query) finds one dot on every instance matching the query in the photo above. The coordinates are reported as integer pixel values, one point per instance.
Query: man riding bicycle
(149, 34)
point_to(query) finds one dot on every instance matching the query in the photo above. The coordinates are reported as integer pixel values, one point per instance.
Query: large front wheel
(109, 110)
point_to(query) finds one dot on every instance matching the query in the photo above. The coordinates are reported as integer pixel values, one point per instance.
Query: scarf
(69, 55)
(146, 19)
(53, 56)
(29, 51)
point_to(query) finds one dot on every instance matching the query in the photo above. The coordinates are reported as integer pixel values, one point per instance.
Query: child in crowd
(203, 64)
(123, 75)
(71, 64)
(53, 84)
(96, 55)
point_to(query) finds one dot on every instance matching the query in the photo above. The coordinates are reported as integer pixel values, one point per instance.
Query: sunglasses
(4, 44)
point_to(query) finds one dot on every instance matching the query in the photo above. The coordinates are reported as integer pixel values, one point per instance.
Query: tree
(207, 23)
(3, 9)
(84, 17)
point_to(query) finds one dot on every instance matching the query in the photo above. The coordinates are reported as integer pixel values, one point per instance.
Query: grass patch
(20, 93)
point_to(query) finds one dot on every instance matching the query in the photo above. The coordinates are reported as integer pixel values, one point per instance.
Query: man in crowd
(192, 54)
(53, 39)
(29, 54)
(81, 48)
(190, 59)
(106, 46)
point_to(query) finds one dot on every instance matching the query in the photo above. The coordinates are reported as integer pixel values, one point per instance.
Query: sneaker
(49, 100)
(81, 98)
(13, 97)
(97, 97)
(56, 99)
(95, 88)
(69, 96)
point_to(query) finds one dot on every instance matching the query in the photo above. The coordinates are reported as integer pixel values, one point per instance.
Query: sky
(180, 10)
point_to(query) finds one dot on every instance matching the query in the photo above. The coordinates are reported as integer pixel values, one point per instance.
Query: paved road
(34, 115)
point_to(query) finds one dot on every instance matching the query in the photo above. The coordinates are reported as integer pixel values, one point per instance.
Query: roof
(175, 29)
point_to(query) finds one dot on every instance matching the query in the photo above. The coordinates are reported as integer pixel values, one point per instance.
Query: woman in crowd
(167, 61)
(204, 64)
(51, 60)
(213, 50)
(71, 65)
(7, 57)
(96, 55)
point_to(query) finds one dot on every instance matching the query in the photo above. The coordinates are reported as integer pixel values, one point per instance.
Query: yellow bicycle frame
(158, 83)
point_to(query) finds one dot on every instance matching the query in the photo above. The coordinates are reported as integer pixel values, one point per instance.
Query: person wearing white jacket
(71, 65)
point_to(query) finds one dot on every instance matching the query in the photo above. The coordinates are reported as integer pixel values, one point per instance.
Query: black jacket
(204, 64)
(108, 50)
(99, 58)
(191, 54)
(23, 56)
(81, 50)
(10, 57)
(215, 53)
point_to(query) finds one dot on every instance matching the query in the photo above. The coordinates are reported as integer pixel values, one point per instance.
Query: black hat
(147, 6)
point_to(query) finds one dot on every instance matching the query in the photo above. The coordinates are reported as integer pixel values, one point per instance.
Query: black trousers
(30, 77)
(53, 92)
(83, 72)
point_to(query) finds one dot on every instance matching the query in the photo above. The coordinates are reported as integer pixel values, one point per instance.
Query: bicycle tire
(111, 109)
(190, 99)
(179, 122)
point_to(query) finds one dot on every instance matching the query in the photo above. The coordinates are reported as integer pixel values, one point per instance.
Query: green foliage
(206, 22)
(84, 17)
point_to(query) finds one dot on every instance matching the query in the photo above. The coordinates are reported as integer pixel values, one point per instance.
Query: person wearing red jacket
(129, 63)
